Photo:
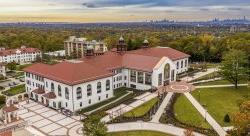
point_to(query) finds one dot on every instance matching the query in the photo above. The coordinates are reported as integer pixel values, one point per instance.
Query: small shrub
(226, 118)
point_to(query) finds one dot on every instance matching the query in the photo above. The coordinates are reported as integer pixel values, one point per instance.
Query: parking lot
(48, 121)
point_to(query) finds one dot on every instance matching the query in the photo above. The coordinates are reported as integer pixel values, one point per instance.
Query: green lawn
(222, 101)
(142, 109)
(15, 90)
(186, 113)
(138, 133)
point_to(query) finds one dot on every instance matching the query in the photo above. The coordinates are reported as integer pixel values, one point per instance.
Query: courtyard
(47, 121)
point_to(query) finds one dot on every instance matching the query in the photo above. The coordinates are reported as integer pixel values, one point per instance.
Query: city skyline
(120, 10)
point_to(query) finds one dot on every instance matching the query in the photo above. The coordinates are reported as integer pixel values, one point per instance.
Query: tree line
(201, 47)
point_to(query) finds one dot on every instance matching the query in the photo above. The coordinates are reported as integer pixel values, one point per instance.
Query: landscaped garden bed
(187, 117)
(117, 94)
(142, 109)
(143, 112)
(15, 90)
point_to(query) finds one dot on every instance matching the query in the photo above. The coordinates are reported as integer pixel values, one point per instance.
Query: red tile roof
(10, 108)
(96, 67)
(23, 50)
(161, 52)
(68, 72)
(38, 91)
(50, 95)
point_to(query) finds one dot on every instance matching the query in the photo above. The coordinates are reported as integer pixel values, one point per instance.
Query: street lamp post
(199, 96)
(205, 115)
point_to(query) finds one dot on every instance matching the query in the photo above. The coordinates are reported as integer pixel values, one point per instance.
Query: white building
(20, 55)
(2, 69)
(74, 85)
(77, 47)
(59, 53)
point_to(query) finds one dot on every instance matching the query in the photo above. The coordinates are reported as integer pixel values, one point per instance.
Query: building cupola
(121, 46)
(145, 44)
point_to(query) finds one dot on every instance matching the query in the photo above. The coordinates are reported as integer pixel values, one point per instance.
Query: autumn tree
(234, 66)
(241, 120)
(94, 127)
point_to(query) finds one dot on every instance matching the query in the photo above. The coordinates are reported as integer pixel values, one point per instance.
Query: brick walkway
(48, 121)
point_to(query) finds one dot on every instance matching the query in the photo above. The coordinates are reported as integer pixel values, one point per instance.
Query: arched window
(89, 90)
(66, 93)
(107, 85)
(166, 71)
(59, 90)
(79, 93)
(52, 87)
(99, 87)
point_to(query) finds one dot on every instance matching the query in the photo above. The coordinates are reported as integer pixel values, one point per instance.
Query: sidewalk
(172, 130)
(206, 115)
(209, 80)
(121, 109)
(199, 74)
(161, 109)
(215, 86)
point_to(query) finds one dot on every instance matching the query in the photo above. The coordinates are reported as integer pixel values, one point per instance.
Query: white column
(5, 117)
(9, 117)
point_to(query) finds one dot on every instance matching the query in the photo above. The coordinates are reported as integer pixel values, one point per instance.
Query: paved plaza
(47, 121)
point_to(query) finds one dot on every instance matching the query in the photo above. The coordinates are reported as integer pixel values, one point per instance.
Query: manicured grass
(218, 82)
(222, 101)
(186, 113)
(15, 90)
(138, 133)
(142, 109)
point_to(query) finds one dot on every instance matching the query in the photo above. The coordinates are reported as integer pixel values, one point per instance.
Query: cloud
(89, 5)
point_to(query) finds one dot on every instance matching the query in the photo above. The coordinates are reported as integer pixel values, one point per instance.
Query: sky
(120, 10)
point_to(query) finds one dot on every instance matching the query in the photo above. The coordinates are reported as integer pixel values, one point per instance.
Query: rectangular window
(181, 64)
(89, 101)
(148, 79)
(172, 75)
(140, 77)
(133, 86)
(133, 76)
(107, 96)
(160, 79)
(177, 65)
(80, 104)
(185, 63)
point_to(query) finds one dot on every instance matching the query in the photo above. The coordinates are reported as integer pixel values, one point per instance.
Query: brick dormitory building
(76, 84)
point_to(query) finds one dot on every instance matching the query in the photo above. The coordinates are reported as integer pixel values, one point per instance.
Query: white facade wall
(95, 97)
(72, 103)
(20, 57)
(159, 69)
(181, 68)
(3, 70)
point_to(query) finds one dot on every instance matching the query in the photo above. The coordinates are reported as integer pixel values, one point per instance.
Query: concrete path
(129, 92)
(121, 109)
(215, 86)
(209, 80)
(206, 115)
(199, 74)
(161, 109)
(148, 126)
